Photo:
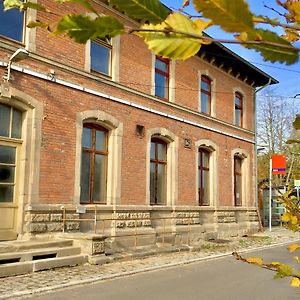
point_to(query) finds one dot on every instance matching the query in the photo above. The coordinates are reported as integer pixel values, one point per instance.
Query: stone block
(37, 218)
(16, 269)
(98, 247)
(37, 227)
(55, 227)
(56, 217)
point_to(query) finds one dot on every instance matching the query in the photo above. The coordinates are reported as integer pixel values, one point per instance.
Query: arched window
(94, 164)
(11, 23)
(205, 94)
(237, 180)
(158, 170)
(203, 176)
(238, 109)
(10, 130)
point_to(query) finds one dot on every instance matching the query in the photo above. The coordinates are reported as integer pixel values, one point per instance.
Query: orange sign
(278, 164)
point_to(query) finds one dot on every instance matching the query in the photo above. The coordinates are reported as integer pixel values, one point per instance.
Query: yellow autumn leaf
(285, 217)
(294, 9)
(295, 282)
(296, 258)
(255, 260)
(162, 41)
(294, 220)
(291, 35)
(293, 247)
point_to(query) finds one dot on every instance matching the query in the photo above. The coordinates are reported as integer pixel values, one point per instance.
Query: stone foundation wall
(131, 227)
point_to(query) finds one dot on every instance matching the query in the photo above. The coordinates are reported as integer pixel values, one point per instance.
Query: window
(237, 181)
(162, 77)
(203, 177)
(238, 109)
(101, 56)
(10, 128)
(11, 23)
(158, 164)
(205, 94)
(94, 164)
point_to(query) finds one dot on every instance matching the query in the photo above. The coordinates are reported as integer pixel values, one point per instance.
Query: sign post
(277, 166)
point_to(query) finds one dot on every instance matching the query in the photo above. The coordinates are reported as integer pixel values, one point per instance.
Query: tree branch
(208, 40)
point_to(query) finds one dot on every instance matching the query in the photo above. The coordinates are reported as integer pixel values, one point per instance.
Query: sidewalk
(17, 286)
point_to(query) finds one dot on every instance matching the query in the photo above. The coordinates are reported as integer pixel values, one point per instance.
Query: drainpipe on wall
(255, 137)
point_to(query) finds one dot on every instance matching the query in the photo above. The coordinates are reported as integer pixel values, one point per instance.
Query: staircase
(23, 257)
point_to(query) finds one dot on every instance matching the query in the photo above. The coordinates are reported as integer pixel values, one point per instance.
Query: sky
(287, 75)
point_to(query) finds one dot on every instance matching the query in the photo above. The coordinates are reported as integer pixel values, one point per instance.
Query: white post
(270, 198)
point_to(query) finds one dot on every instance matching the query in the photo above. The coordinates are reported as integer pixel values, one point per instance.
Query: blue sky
(287, 75)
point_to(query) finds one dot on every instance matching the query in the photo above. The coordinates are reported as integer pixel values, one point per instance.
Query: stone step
(18, 246)
(36, 254)
(26, 267)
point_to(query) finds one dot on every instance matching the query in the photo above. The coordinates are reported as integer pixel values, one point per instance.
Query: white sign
(297, 183)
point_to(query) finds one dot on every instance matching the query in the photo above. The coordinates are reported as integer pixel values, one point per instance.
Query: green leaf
(82, 28)
(84, 3)
(146, 10)
(35, 6)
(169, 44)
(232, 16)
(9, 4)
(271, 52)
(33, 24)
(285, 270)
(296, 123)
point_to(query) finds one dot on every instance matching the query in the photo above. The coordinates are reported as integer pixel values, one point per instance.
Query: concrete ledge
(16, 269)
(51, 263)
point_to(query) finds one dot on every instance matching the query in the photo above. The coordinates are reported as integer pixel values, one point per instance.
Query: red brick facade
(54, 62)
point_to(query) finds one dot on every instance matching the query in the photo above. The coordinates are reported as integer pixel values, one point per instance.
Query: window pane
(205, 103)
(87, 138)
(85, 177)
(152, 180)
(161, 151)
(161, 184)
(163, 66)
(205, 188)
(238, 101)
(7, 155)
(7, 174)
(205, 159)
(4, 119)
(11, 23)
(238, 117)
(6, 193)
(161, 86)
(205, 86)
(152, 152)
(100, 140)
(99, 194)
(237, 164)
(237, 190)
(100, 58)
(16, 124)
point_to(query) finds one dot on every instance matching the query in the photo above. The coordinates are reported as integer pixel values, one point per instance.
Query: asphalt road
(223, 278)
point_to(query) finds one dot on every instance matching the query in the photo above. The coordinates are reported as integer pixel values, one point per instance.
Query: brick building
(111, 130)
